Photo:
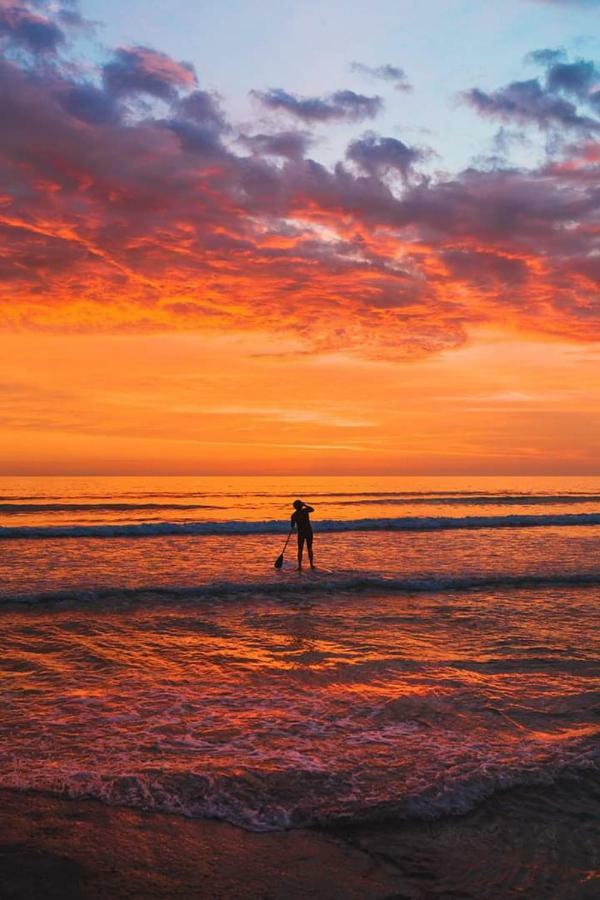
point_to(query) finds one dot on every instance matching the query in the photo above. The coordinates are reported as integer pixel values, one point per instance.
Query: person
(301, 520)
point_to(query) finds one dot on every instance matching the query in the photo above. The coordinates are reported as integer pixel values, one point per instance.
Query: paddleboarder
(301, 520)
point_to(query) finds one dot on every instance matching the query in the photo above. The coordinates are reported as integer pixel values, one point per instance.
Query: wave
(475, 500)
(299, 797)
(14, 509)
(410, 496)
(405, 523)
(311, 583)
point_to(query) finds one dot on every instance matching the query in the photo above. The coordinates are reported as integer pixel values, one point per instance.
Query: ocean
(443, 653)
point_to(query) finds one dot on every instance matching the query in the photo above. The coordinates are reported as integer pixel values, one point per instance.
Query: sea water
(445, 648)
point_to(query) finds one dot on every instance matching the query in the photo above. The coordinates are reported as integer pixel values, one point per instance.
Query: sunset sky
(317, 236)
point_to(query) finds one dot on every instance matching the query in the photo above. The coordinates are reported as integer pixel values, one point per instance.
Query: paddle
(279, 560)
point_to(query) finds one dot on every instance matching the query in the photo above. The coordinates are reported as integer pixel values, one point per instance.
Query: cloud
(341, 105)
(380, 155)
(199, 123)
(386, 72)
(126, 220)
(527, 102)
(579, 79)
(287, 144)
(545, 56)
(545, 105)
(204, 108)
(90, 104)
(25, 28)
(142, 70)
(576, 78)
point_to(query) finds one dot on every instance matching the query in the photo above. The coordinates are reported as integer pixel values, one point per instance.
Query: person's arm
(308, 508)
(292, 521)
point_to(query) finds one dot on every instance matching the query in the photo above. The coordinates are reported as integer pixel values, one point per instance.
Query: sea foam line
(309, 583)
(264, 805)
(404, 523)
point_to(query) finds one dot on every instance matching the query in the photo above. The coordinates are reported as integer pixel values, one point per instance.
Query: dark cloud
(198, 139)
(24, 28)
(90, 104)
(142, 70)
(115, 220)
(545, 56)
(527, 102)
(288, 144)
(576, 78)
(546, 105)
(200, 124)
(484, 267)
(203, 108)
(579, 79)
(340, 105)
(393, 74)
(377, 155)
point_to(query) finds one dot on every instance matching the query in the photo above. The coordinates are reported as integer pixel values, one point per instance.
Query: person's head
(298, 504)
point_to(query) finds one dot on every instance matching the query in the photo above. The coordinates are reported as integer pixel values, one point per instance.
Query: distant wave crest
(311, 583)
(17, 509)
(403, 523)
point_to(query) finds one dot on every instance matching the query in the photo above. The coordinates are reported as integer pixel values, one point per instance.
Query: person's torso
(301, 517)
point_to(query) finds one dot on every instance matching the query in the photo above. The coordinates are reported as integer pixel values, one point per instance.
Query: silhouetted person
(301, 520)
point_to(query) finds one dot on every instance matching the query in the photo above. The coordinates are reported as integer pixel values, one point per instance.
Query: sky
(299, 237)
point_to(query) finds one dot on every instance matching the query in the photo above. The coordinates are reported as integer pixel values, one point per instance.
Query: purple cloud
(527, 102)
(341, 105)
(115, 219)
(380, 155)
(89, 104)
(287, 144)
(393, 74)
(26, 29)
(203, 108)
(142, 70)
(576, 78)
(579, 79)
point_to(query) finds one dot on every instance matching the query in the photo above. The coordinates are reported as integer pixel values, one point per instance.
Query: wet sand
(70, 849)
(542, 843)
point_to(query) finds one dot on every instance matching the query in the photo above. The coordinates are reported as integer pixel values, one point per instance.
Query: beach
(77, 849)
(418, 717)
(534, 845)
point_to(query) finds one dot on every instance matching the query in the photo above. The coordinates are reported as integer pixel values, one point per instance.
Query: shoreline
(541, 842)
(61, 849)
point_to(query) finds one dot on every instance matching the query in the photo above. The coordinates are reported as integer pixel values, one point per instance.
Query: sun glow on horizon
(186, 290)
(189, 404)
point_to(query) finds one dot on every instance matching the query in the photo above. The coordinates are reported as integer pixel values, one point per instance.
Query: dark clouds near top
(378, 156)
(122, 214)
(23, 27)
(142, 70)
(341, 105)
(40, 27)
(562, 99)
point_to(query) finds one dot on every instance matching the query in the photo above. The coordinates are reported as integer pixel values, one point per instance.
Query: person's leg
(300, 549)
(309, 543)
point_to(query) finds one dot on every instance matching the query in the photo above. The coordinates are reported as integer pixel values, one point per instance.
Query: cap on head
(298, 504)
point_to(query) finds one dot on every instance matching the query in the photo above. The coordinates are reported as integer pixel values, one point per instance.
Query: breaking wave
(403, 523)
(17, 509)
(302, 797)
(311, 584)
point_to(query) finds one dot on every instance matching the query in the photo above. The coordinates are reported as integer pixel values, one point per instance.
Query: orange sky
(191, 403)
(181, 292)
